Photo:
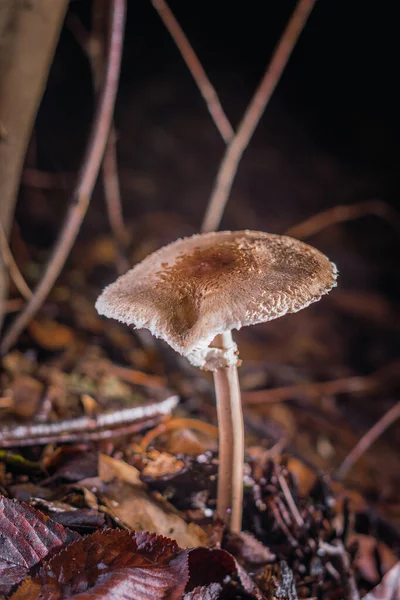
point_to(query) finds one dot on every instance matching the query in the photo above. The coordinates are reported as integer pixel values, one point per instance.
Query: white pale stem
(231, 441)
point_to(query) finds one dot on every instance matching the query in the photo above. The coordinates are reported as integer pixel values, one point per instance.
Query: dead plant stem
(12, 266)
(368, 439)
(196, 68)
(86, 180)
(254, 111)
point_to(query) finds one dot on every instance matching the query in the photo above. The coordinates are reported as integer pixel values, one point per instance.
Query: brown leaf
(50, 334)
(26, 393)
(209, 566)
(26, 537)
(389, 588)
(246, 548)
(112, 468)
(112, 564)
(137, 510)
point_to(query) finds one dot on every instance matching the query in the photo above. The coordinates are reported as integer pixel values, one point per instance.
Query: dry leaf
(112, 564)
(26, 537)
(134, 508)
(111, 468)
(50, 334)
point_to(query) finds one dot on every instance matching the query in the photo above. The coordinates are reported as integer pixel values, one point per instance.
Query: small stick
(368, 439)
(86, 180)
(345, 385)
(338, 551)
(43, 433)
(84, 436)
(12, 266)
(290, 501)
(178, 423)
(196, 68)
(340, 214)
(92, 45)
(254, 111)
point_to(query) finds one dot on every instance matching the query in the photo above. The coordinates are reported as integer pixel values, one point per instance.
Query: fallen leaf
(389, 588)
(26, 393)
(112, 564)
(246, 548)
(208, 567)
(111, 468)
(135, 509)
(161, 465)
(205, 592)
(50, 334)
(26, 537)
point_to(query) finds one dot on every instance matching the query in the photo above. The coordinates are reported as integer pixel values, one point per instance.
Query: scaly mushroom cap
(195, 288)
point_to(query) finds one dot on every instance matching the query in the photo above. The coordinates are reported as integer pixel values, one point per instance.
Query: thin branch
(195, 67)
(93, 45)
(290, 501)
(338, 552)
(340, 214)
(345, 385)
(254, 111)
(368, 439)
(84, 427)
(12, 266)
(86, 180)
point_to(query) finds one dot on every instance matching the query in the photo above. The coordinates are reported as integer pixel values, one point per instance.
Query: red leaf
(209, 566)
(209, 592)
(26, 537)
(112, 564)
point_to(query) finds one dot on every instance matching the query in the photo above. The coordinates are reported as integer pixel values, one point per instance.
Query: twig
(178, 423)
(368, 439)
(254, 111)
(86, 180)
(93, 45)
(290, 501)
(338, 551)
(195, 67)
(346, 385)
(12, 266)
(340, 214)
(85, 427)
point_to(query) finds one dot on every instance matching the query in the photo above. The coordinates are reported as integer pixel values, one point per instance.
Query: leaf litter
(161, 476)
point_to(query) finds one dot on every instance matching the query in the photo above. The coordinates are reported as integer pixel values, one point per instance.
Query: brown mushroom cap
(195, 288)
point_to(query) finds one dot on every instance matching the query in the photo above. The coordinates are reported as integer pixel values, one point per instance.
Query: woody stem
(231, 441)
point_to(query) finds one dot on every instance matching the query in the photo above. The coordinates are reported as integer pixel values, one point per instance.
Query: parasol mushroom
(195, 291)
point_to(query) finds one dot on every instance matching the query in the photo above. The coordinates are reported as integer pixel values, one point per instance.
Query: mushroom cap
(198, 287)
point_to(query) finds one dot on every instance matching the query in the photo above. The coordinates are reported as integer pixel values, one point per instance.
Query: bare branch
(342, 213)
(205, 86)
(345, 385)
(86, 180)
(368, 439)
(12, 266)
(93, 45)
(86, 427)
(252, 116)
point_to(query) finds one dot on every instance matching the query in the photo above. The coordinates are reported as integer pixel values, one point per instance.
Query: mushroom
(194, 292)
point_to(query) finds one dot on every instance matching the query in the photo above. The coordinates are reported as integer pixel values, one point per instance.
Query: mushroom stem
(231, 441)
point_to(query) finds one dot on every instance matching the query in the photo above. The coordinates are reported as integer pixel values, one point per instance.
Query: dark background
(329, 135)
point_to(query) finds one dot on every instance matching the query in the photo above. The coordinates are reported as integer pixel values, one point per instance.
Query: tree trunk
(29, 31)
